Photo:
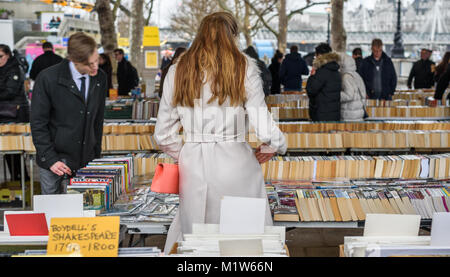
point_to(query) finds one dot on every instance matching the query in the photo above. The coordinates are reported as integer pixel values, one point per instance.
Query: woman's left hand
(264, 153)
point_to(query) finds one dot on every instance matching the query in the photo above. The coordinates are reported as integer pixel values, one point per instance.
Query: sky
(164, 8)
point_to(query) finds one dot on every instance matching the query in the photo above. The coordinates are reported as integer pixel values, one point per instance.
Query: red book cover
(27, 224)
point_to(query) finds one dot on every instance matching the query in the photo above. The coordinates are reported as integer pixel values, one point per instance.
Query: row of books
(316, 127)
(373, 112)
(354, 203)
(146, 162)
(102, 181)
(128, 128)
(357, 167)
(411, 111)
(145, 109)
(303, 102)
(129, 142)
(290, 127)
(378, 139)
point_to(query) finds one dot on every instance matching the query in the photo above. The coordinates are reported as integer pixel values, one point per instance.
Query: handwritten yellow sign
(151, 36)
(151, 59)
(91, 236)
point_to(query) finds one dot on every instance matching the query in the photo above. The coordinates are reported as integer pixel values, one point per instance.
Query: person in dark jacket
(378, 73)
(292, 69)
(13, 101)
(44, 61)
(442, 85)
(67, 114)
(104, 63)
(324, 86)
(422, 71)
(357, 56)
(178, 52)
(442, 67)
(264, 72)
(274, 69)
(127, 76)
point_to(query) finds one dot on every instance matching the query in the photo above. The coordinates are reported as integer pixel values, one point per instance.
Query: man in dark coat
(274, 69)
(324, 86)
(292, 69)
(67, 114)
(127, 76)
(44, 61)
(422, 71)
(378, 73)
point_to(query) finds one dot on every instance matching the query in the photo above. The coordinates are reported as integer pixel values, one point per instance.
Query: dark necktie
(83, 87)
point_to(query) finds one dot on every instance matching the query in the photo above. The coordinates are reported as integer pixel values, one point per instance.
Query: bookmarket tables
(22, 172)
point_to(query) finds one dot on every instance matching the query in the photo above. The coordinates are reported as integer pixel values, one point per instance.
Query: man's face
(425, 55)
(377, 52)
(118, 56)
(90, 67)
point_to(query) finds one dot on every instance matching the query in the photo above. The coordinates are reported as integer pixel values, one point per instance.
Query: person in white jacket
(209, 91)
(353, 94)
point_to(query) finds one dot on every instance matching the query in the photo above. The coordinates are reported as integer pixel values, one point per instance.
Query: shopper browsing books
(207, 92)
(324, 86)
(67, 113)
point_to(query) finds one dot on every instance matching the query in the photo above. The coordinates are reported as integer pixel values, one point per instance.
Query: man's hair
(80, 47)
(47, 45)
(357, 52)
(323, 48)
(119, 50)
(294, 49)
(376, 42)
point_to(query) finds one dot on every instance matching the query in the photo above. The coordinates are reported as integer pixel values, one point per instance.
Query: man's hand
(60, 168)
(264, 153)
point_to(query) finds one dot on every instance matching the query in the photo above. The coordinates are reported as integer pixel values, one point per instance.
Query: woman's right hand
(264, 153)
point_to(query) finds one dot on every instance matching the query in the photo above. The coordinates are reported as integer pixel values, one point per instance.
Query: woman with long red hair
(211, 91)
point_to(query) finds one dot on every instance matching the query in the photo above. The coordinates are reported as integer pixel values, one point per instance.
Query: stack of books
(357, 167)
(102, 182)
(146, 108)
(348, 202)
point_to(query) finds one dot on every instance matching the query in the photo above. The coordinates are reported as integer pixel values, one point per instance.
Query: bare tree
(247, 20)
(338, 34)
(106, 23)
(136, 33)
(271, 9)
(190, 14)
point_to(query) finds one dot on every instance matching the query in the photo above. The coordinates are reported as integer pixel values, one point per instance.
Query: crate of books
(118, 111)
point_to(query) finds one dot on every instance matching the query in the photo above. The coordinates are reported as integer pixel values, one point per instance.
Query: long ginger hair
(214, 57)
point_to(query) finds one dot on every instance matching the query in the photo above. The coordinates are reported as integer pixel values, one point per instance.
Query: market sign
(89, 236)
(151, 36)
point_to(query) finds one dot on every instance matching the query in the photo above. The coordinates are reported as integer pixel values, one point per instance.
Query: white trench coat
(215, 160)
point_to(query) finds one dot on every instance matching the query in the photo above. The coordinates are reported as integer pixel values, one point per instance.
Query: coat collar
(65, 79)
(326, 58)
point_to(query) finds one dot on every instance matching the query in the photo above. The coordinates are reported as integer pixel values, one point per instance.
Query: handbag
(166, 179)
(8, 110)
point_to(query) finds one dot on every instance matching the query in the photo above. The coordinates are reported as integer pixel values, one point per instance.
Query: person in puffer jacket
(324, 86)
(353, 93)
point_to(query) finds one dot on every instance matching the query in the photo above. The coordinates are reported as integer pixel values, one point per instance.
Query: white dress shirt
(76, 77)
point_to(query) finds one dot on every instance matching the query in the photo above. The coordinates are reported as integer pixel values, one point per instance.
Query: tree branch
(309, 5)
(261, 17)
(150, 11)
(121, 7)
